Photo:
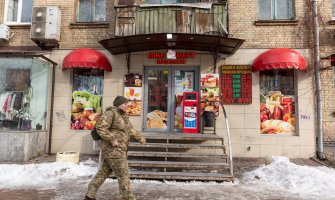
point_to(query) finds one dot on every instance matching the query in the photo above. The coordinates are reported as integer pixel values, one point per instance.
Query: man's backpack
(94, 132)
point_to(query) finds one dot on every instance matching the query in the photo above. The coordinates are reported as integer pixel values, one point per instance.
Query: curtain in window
(27, 8)
(100, 10)
(12, 10)
(275, 9)
(92, 10)
(84, 11)
(264, 9)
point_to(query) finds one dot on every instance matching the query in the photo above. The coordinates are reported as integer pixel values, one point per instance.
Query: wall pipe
(319, 108)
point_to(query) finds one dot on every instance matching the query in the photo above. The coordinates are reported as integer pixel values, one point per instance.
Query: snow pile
(303, 181)
(45, 175)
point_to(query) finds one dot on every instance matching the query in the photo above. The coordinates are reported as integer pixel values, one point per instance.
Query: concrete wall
(21, 146)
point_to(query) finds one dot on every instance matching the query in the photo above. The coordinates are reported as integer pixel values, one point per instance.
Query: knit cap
(119, 100)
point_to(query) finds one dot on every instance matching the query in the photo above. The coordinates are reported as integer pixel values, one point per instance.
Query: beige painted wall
(243, 119)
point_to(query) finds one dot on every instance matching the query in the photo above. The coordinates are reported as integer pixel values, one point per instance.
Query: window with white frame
(91, 11)
(276, 9)
(18, 11)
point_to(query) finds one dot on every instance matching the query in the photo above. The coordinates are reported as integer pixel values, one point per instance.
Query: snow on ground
(279, 179)
(45, 175)
(296, 179)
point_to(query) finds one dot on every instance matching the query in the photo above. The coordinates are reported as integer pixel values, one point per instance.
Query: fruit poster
(85, 110)
(277, 113)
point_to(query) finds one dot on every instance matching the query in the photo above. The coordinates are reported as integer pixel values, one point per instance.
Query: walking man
(115, 130)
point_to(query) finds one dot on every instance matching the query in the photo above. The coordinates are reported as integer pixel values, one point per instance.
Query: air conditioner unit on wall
(46, 22)
(4, 32)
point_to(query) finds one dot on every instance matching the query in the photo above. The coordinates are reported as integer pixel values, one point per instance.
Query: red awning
(86, 58)
(280, 58)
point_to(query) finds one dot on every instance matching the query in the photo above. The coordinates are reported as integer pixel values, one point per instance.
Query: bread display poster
(277, 113)
(210, 93)
(133, 92)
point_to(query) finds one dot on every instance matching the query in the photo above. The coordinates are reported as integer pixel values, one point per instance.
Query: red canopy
(280, 58)
(86, 58)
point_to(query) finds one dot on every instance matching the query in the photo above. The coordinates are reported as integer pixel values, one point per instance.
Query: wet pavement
(155, 190)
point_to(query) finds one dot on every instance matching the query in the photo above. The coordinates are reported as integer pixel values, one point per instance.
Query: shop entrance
(163, 90)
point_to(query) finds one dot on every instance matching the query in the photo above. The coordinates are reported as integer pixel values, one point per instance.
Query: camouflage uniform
(115, 158)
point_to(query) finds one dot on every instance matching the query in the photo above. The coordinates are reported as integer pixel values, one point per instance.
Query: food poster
(157, 119)
(277, 113)
(86, 110)
(134, 108)
(209, 80)
(213, 106)
(133, 93)
(210, 93)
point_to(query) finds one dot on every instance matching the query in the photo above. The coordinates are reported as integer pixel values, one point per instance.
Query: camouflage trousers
(121, 170)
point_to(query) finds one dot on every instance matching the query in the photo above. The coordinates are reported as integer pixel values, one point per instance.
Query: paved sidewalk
(241, 165)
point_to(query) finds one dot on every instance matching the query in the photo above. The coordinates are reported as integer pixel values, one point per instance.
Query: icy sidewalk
(281, 179)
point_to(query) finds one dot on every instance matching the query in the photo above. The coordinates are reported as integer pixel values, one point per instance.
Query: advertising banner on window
(133, 92)
(210, 93)
(86, 98)
(277, 102)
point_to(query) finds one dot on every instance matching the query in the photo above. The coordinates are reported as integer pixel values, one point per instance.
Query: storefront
(25, 89)
(268, 105)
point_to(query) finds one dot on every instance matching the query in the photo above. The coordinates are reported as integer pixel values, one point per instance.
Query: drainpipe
(51, 107)
(319, 110)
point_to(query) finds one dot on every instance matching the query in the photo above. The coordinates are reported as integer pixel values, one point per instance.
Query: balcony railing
(178, 18)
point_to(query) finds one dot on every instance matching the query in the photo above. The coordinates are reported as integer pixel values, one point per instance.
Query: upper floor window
(18, 11)
(333, 9)
(91, 11)
(276, 9)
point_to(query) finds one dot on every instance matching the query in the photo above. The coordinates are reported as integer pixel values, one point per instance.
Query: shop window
(23, 94)
(18, 11)
(86, 98)
(277, 98)
(276, 9)
(91, 11)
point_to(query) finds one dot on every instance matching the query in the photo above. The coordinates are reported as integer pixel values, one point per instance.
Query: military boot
(89, 198)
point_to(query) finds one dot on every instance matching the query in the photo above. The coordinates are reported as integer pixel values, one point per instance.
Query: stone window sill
(276, 22)
(87, 25)
(20, 26)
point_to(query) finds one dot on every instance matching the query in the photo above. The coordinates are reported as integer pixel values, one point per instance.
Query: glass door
(156, 101)
(184, 80)
(164, 87)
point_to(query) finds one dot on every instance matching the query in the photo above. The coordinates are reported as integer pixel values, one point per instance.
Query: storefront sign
(236, 84)
(171, 57)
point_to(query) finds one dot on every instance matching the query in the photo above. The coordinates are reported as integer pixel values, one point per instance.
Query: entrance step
(171, 164)
(181, 176)
(180, 157)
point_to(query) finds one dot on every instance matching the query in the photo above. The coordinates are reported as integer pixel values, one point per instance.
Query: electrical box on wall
(4, 32)
(46, 23)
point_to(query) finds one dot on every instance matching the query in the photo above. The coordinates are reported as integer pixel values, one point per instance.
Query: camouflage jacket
(121, 130)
